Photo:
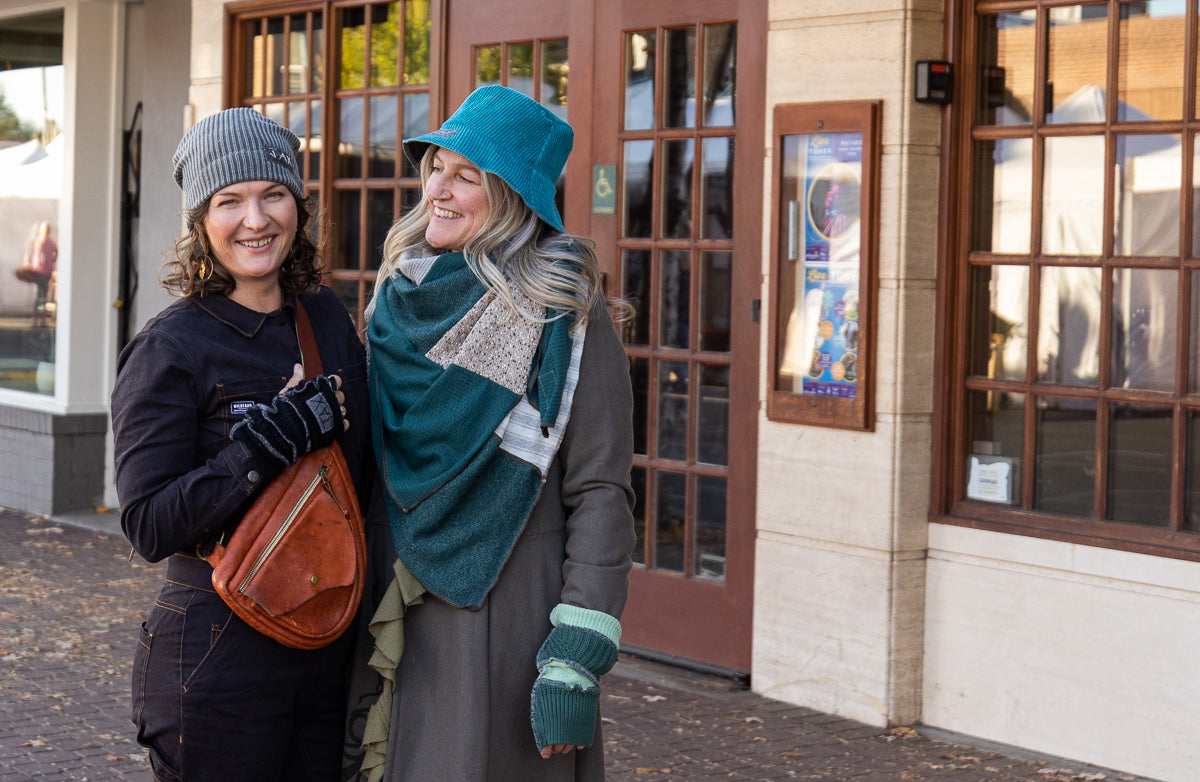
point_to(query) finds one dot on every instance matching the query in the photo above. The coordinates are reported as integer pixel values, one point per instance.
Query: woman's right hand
(299, 420)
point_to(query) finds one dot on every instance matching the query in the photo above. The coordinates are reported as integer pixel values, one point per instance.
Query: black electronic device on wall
(934, 82)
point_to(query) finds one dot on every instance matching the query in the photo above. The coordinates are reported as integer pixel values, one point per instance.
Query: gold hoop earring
(204, 272)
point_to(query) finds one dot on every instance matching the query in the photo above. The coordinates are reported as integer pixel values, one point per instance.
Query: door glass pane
(1146, 216)
(677, 188)
(349, 291)
(318, 52)
(33, 135)
(276, 65)
(1150, 60)
(347, 206)
(297, 82)
(996, 434)
(1006, 68)
(1073, 199)
(354, 48)
(1139, 464)
(1191, 486)
(382, 160)
(999, 321)
(520, 68)
(674, 306)
(639, 377)
(639, 80)
(1003, 186)
(379, 219)
(716, 280)
(637, 478)
(1065, 462)
(385, 45)
(1070, 315)
(712, 419)
(637, 191)
(635, 287)
(350, 130)
(313, 145)
(1144, 328)
(709, 545)
(416, 123)
(554, 77)
(252, 81)
(487, 65)
(716, 191)
(274, 112)
(1076, 63)
(720, 59)
(1194, 335)
(416, 42)
(679, 78)
(670, 514)
(672, 430)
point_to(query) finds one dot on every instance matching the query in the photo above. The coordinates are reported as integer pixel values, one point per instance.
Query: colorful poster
(831, 304)
(833, 192)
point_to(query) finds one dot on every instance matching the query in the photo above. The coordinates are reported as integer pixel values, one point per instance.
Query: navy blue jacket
(184, 381)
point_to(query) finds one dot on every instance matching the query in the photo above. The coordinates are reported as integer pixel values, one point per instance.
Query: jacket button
(253, 476)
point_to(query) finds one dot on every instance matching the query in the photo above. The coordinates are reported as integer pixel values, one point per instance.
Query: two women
(209, 406)
(501, 416)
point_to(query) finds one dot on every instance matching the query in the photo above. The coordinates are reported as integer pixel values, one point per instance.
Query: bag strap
(308, 343)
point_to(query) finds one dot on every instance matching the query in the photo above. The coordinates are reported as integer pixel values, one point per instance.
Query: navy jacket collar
(243, 319)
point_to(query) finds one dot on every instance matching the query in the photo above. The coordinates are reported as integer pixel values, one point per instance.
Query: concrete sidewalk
(71, 601)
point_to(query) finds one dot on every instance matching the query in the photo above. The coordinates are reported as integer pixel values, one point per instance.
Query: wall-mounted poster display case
(825, 235)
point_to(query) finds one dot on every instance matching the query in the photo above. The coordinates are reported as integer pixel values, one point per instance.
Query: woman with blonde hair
(502, 422)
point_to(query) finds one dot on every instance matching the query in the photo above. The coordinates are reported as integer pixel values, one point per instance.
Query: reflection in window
(1139, 464)
(1065, 470)
(720, 56)
(1006, 69)
(1150, 50)
(637, 189)
(671, 431)
(1003, 185)
(670, 513)
(1069, 325)
(1144, 320)
(674, 308)
(679, 78)
(1073, 198)
(639, 80)
(31, 153)
(999, 321)
(1149, 169)
(709, 546)
(1077, 63)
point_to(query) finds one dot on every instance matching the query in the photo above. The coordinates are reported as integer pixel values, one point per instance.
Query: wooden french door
(666, 100)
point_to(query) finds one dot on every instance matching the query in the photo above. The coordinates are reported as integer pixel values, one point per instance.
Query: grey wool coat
(461, 710)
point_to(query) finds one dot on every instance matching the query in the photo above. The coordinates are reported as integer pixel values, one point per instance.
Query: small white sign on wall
(990, 478)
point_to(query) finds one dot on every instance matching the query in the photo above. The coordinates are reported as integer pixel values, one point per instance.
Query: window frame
(955, 383)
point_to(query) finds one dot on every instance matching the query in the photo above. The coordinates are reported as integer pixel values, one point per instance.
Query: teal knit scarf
(469, 401)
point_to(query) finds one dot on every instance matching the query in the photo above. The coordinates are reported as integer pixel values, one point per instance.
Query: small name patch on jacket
(240, 407)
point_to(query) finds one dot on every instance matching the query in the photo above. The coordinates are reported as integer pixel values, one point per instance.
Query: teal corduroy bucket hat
(510, 135)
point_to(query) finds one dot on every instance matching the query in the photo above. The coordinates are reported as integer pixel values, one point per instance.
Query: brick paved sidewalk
(71, 602)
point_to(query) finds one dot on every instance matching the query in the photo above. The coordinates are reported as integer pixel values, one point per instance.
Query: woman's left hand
(298, 377)
(558, 749)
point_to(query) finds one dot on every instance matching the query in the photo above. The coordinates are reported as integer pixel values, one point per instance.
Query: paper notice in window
(990, 478)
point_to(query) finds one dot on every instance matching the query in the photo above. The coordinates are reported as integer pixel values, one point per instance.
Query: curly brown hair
(194, 271)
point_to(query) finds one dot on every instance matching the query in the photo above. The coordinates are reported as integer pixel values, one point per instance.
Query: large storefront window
(1080, 260)
(31, 143)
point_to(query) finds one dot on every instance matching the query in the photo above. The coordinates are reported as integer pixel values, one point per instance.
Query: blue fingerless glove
(581, 648)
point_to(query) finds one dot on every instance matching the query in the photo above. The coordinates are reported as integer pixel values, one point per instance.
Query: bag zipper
(322, 476)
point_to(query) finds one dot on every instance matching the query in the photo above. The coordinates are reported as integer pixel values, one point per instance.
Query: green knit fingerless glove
(581, 648)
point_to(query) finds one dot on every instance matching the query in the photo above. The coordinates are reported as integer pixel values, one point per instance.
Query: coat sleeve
(596, 456)
(171, 499)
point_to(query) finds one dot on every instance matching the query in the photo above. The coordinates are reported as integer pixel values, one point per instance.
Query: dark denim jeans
(214, 699)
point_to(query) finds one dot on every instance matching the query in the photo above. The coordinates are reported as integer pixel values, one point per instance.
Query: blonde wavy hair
(513, 250)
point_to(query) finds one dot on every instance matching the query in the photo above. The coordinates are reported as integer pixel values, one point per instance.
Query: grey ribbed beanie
(231, 146)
